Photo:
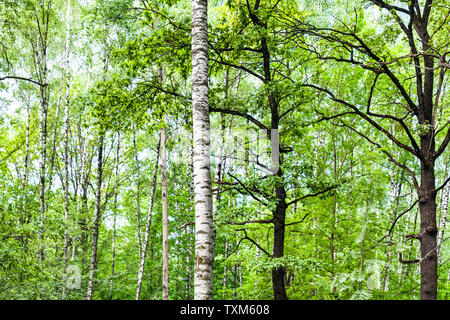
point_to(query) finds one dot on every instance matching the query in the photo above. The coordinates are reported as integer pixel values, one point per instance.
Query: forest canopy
(238, 149)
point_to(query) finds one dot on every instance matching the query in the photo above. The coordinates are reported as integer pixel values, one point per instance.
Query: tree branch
(390, 157)
(396, 219)
(400, 259)
(249, 221)
(370, 120)
(240, 67)
(443, 145)
(241, 114)
(12, 152)
(254, 242)
(311, 195)
(24, 79)
(338, 37)
(297, 222)
(248, 191)
(442, 186)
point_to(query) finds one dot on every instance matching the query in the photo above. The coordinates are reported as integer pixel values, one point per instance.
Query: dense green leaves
(348, 207)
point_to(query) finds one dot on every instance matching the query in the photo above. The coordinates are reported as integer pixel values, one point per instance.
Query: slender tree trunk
(334, 208)
(165, 235)
(138, 190)
(443, 223)
(42, 19)
(225, 269)
(26, 216)
(204, 234)
(85, 172)
(220, 173)
(98, 195)
(363, 240)
(445, 195)
(221, 158)
(113, 245)
(147, 225)
(43, 148)
(165, 222)
(27, 150)
(426, 192)
(53, 142)
(189, 265)
(66, 153)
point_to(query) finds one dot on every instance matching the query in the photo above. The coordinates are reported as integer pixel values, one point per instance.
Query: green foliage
(130, 75)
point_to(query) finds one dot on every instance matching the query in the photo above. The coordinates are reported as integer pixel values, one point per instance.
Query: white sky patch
(12, 105)
(109, 221)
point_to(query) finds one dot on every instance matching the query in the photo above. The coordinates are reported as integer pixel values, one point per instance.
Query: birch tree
(204, 229)
(165, 235)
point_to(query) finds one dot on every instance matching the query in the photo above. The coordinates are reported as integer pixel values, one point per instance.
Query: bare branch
(384, 5)
(396, 219)
(297, 222)
(442, 186)
(17, 148)
(249, 221)
(241, 114)
(24, 79)
(311, 195)
(248, 191)
(443, 145)
(240, 67)
(339, 37)
(255, 243)
(366, 117)
(390, 157)
(400, 259)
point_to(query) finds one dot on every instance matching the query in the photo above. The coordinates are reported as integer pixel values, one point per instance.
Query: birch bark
(204, 229)
(165, 234)
(443, 222)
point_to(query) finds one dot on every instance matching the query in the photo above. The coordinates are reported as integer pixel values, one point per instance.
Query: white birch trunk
(165, 233)
(204, 230)
(443, 222)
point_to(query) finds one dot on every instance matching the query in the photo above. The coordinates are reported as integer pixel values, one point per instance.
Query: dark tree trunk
(279, 217)
(428, 234)
(93, 264)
